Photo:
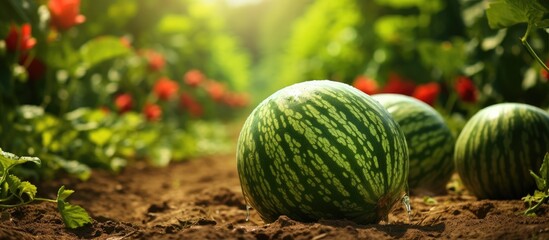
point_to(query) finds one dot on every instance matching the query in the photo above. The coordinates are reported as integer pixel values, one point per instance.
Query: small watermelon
(498, 147)
(322, 150)
(430, 142)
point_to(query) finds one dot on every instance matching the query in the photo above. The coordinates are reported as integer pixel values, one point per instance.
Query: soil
(202, 199)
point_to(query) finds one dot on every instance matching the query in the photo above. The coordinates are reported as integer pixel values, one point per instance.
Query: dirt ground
(201, 199)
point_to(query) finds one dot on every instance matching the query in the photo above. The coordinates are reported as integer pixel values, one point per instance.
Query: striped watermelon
(322, 149)
(497, 148)
(430, 142)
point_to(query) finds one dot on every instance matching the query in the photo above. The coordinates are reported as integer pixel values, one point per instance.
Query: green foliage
(101, 49)
(14, 192)
(541, 195)
(506, 13)
(325, 44)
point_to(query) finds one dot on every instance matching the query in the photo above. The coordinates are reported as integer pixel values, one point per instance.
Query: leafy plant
(14, 192)
(506, 13)
(541, 195)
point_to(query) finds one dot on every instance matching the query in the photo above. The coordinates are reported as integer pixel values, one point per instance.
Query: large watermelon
(430, 142)
(322, 149)
(497, 148)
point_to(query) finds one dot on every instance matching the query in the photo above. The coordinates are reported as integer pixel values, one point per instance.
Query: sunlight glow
(241, 2)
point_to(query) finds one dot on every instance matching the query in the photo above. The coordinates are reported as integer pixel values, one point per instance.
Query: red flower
(126, 42)
(155, 60)
(236, 99)
(365, 84)
(193, 78)
(152, 112)
(216, 90)
(427, 92)
(124, 102)
(396, 84)
(466, 89)
(544, 73)
(35, 68)
(20, 39)
(189, 103)
(65, 13)
(165, 88)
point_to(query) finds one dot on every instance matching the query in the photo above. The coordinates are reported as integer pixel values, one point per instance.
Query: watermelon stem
(248, 212)
(407, 206)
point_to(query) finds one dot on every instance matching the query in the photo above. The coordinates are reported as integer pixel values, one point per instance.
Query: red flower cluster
(427, 93)
(123, 102)
(190, 104)
(152, 112)
(20, 39)
(466, 89)
(165, 88)
(193, 78)
(396, 84)
(365, 84)
(236, 99)
(155, 60)
(216, 90)
(65, 13)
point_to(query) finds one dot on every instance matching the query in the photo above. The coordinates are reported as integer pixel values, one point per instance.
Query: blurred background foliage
(121, 80)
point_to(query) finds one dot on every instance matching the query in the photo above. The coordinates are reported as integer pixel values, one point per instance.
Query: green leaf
(100, 136)
(544, 173)
(540, 182)
(13, 183)
(101, 49)
(8, 160)
(19, 188)
(506, 13)
(63, 193)
(73, 216)
(429, 200)
(27, 188)
(73, 167)
(174, 24)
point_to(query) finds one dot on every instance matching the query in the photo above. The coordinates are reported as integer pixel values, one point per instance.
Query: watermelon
(498, 147)
(430, 142)
(322, 150)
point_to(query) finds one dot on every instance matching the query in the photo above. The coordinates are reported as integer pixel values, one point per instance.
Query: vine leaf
(9, 160)
(73, 216)
(506, 13)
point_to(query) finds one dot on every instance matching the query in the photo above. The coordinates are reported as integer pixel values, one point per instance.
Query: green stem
(46, 200)
(14, 205)
(7, 199)
(533, 209)
(524, 41)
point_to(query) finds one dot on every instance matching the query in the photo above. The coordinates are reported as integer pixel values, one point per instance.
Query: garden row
(324, 150)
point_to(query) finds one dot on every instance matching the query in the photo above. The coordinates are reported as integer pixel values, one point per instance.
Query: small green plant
(541, 195)
(14, 192)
